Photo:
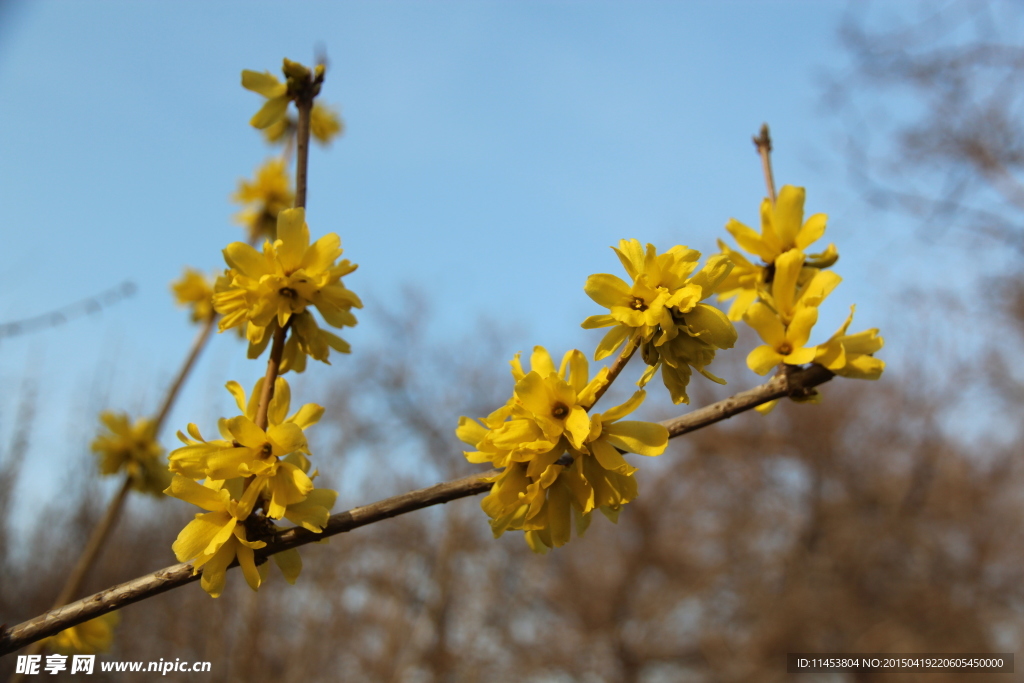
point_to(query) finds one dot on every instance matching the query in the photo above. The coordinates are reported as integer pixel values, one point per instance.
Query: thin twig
(763, 142)
(59, 316)
(615, 369)
(92, 547)
(190, 360)
(305, 107)
(795, 383)
(270, 378)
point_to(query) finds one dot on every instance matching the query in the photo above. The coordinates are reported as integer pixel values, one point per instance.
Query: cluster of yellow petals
(88, 638)
(264, 197)
(195, 290)
(780, 298)
(662, 312)
(249, 469)
(131, 447)
(559, 461)
(269, 290)
(783, 229)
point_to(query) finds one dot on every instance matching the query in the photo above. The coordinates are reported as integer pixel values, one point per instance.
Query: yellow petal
(787, 271)
(246, 260)
(293, 237)
(609, 457)
(559, 517)
(290, 564)
(540, 361)
(307, 416)
(265, 83)
(767, 324)
(278, 408)
(238, 392)
(607, 290)
(749, 240)
(596, 321)
(287, 438)
(189, 491)
(812, 231)
(577, 426)
(789, 214)
(611, 341)
(643, 438)
(272, 111)
(624, 409)
(215, 571)
(578, 370)
(321, 254)
(799, 331)
(470, 431)
(199, 534)
(762, 359)
(710, 324)
(247, 563)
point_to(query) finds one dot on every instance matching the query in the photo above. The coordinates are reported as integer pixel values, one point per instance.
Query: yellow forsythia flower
(662, 312)
(782, 229)
(133, 448)
(851, 355)
(278, 94)
(264, 198)
(195, 291)
(249, 470)
(272, 289)
(213, 540)
(559, 461)
(248, 451)
(88, 638)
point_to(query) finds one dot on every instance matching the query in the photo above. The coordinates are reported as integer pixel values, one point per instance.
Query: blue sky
(494, 151)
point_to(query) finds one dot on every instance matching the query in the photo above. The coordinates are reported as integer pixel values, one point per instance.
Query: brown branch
(615, 369)
(305, 107)
(190, 360)
(793, 383)
(273, 369)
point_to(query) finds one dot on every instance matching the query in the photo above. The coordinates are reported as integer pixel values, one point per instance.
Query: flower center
(266, 451)
(559, 411)
(288, 293)
(786, 349)
(638, 304)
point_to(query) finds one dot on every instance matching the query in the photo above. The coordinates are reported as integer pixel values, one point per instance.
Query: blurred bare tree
(933, 109)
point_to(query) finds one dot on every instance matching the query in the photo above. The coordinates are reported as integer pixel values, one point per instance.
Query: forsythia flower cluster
(661, 311)
(275, 289)
(559, 461)
(264, 198)
(780, 297)
(132, 447)
(248, 470)
(88, 638)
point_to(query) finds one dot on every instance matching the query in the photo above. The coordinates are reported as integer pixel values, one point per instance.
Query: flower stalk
(613, 371)
(763, 143)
